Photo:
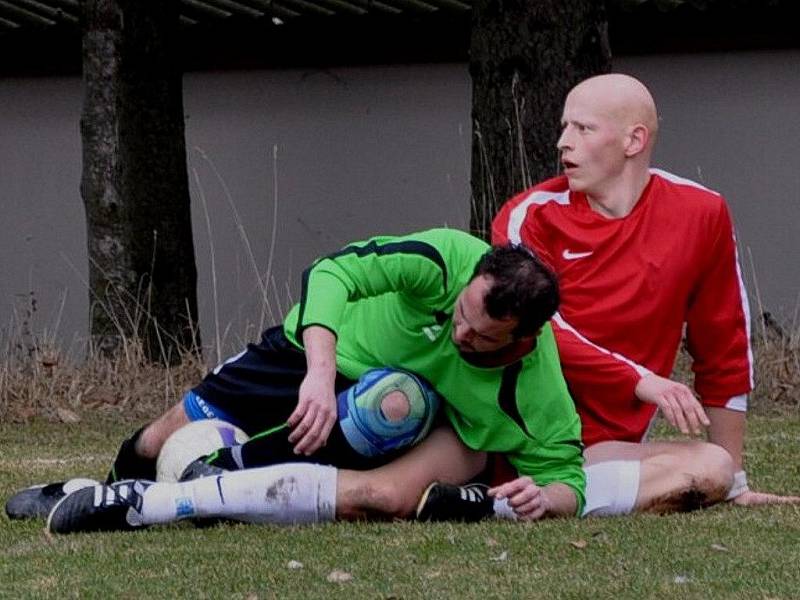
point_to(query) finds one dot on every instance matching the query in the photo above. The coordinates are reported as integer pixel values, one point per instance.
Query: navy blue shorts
(258, 388)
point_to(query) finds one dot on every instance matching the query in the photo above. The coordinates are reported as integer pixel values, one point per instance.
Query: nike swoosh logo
(569, 255)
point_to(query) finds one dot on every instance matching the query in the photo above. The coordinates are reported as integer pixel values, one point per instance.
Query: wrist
(639, 387)
(559, 500)
(324, 370)
(547, 503)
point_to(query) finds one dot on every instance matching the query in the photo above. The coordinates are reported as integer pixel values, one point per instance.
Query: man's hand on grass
(526, 498)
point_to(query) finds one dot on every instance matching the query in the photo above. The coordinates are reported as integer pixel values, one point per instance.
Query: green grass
(720, 553)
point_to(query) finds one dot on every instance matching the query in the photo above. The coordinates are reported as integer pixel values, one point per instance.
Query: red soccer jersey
(629, 285)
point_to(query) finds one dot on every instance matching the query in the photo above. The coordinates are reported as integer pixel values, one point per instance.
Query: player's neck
(619, 198)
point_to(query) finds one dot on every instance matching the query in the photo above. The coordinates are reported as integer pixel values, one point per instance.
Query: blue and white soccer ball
(192, 441)
(367, 428)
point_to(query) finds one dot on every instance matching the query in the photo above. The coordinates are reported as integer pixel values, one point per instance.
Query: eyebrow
(460, 309)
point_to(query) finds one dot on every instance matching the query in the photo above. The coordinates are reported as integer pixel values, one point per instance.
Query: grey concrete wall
(324, 157)
(353, 153)
(43, 262)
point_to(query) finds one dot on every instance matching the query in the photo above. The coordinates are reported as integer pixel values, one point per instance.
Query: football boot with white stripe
(37, 501)
(445, 502)
(114, 507)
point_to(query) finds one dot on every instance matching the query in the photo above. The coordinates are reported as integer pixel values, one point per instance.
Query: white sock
(502, 510)
(282, 494)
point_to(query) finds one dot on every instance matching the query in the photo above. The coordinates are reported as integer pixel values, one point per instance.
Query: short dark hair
(523, 287)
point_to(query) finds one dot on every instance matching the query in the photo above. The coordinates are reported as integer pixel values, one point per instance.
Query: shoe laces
(475, 492)
(123, 493)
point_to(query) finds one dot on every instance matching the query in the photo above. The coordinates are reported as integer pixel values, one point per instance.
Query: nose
(563, 142)
(462, 332)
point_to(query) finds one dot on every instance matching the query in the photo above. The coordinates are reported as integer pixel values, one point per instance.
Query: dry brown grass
(778, 372)
(42, 382)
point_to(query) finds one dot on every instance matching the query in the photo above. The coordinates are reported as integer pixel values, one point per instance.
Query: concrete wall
(324, 157)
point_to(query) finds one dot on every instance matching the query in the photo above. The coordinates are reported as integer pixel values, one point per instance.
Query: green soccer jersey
(390, 301)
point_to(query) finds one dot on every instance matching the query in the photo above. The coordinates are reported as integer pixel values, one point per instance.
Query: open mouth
(568, 165)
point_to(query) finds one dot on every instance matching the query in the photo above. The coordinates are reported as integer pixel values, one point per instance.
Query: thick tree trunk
(524, 57)
(135, 187)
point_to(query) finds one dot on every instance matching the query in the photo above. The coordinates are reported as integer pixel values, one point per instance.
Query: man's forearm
(320, 350)
(727, 429)
(560, 499)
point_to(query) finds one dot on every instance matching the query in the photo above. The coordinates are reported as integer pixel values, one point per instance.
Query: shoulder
(445, 237)
(551, 190)
(552, 194)
(681, 188)
(453, 247)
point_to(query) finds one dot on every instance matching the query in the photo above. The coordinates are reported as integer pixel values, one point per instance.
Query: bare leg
(156, 433)
(674, 476)
(393, 490)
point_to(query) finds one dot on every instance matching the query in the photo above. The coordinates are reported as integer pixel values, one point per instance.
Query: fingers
(311, 433)
(510, 488)
(674, 415)
(315, 415)
(523, 496)
(753, 498)
(683, 410)
(676, 401)
(531, 511)
(301, 421)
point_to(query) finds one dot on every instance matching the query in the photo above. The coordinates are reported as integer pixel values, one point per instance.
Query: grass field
(719, 553)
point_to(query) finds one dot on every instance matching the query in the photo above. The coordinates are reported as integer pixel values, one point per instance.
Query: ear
(638, 136)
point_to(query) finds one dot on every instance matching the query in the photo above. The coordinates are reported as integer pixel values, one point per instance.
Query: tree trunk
(135, 189)
(524, 57)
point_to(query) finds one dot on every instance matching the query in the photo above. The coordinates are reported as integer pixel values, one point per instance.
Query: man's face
(591, 143)
(473, 330)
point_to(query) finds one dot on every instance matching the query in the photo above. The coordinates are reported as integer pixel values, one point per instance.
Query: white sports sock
(502, 510)
(283, 494)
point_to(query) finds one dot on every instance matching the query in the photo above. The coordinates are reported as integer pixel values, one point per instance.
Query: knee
(395, 406)
(687, 477)
(708, 471)
(714, 467)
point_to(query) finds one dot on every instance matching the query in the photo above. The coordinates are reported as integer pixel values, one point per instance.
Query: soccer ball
(192, 441)
(367, 429)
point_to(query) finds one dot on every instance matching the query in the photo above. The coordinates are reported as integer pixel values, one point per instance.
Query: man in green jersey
(441, 304)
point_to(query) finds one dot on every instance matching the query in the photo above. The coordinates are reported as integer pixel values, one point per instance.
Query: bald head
(608, 129)
(621, 97)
